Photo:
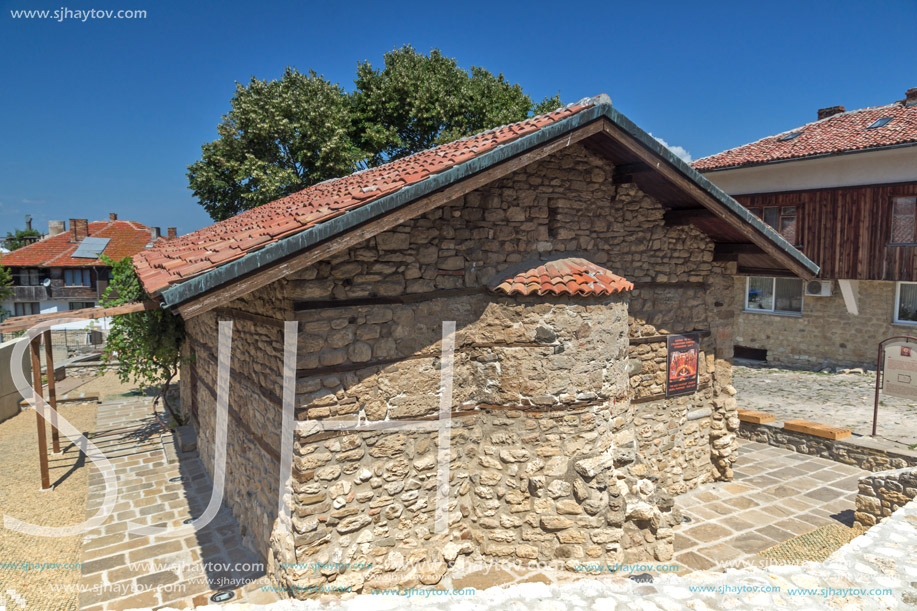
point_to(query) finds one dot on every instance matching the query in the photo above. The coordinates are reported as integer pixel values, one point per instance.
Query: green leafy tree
(6, 288)
(17, 239)
(284, 135)
(279, 137)
(417, 101)
(147, 345)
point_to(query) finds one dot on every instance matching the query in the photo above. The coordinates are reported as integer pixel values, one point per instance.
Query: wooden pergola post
(35, 346)
(52, 392)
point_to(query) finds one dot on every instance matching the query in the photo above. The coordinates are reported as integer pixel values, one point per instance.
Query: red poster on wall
(682, 361)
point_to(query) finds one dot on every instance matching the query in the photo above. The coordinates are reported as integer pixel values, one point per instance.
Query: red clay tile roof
(570, 276)
(126, 238)
(836, 134)
(177, 260)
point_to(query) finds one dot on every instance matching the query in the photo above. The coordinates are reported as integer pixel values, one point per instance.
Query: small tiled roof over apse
(568, 276)
(843, 132)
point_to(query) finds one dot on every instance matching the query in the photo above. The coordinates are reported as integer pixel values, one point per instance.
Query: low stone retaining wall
(883, 493)
(859, 451)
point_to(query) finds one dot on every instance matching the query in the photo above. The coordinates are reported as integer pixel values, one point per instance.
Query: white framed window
(906, 303)
(773, 295)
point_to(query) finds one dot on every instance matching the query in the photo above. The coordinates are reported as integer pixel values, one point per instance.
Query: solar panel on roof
(90, 248)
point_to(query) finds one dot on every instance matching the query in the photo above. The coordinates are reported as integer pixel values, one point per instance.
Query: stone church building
(568, 249)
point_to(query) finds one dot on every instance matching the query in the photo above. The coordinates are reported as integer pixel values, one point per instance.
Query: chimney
(56, 227)
(910, 98)
(28, 222)
(172, 232)
(112, 216)
(79, 229)
(155, 233)
(824, 113)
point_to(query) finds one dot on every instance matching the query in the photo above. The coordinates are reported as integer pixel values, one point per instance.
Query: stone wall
(563, 447)
(826, 335)
(882, 494)
(254, 423)
(850, 451)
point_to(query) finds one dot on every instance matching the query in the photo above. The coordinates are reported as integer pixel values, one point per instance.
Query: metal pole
(35, 345)
(52, 391)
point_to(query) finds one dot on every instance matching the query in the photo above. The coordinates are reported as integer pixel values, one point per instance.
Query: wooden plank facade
(847, 230)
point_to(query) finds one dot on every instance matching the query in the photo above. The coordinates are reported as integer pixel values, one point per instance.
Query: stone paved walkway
(776, 495)
(123, 571)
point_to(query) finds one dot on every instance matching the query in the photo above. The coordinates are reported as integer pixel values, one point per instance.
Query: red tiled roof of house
(840, 133)
(200, 251)
(570, 276)
(126, 238)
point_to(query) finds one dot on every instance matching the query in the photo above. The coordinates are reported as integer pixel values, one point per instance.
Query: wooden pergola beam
(23, 323)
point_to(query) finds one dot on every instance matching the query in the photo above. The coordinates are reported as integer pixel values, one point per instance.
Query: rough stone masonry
(564, 448)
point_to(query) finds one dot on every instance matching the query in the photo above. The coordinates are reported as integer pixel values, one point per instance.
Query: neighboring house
(63, 271)
(843, 189)
(546, 242)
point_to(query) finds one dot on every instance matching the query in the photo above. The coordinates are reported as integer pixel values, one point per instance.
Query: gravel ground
(839, 399)
(20, 490)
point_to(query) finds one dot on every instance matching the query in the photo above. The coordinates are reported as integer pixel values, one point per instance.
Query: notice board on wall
(682, 364)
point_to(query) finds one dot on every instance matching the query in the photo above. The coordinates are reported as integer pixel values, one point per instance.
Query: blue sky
(104, 116)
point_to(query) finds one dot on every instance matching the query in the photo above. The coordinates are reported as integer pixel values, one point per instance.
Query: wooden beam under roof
(731, 252)
(678, 217)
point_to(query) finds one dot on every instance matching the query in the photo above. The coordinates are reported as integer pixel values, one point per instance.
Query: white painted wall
(848, 170)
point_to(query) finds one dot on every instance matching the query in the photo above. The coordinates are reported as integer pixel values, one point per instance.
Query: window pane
(772, 216)
(788, 295)
(760, 294)
(788, 228)
(903, 209)
(86, 281)
(907, 302)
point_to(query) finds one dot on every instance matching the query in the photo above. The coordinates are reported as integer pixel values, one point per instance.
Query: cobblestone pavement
(124, 571)
(838, 399)
(32, 566)
(775, 496)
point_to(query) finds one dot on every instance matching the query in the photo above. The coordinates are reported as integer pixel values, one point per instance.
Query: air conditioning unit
(819, 288)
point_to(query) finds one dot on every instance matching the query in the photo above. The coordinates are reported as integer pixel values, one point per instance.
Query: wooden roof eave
(736, 217)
